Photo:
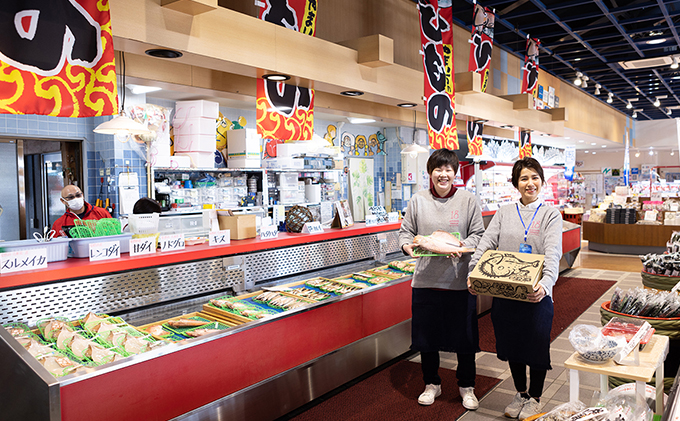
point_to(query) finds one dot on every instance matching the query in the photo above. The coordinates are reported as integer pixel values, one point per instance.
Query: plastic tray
(80, 247)
(57, 248)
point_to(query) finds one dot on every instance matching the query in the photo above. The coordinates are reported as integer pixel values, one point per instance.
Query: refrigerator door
(54, 183)
(9, 193)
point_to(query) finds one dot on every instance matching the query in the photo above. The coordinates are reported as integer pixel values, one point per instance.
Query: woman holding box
(523, 328)
(444, 312)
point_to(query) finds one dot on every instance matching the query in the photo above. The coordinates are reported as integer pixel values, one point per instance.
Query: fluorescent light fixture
(567, 137)
(139, 89)
(121, 125)
(656, 41)
(586, 151)
(577, 59)
(356, 120)
(675, 63)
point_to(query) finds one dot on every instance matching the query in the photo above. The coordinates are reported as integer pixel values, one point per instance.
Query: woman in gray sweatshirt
(522, 328)
(444, 313)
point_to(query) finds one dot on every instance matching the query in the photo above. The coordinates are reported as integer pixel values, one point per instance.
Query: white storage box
(288, 150)
(144, 224)
(200, 159)
(196, 109)
(195, 125)
(241, 146)
(172, 162)
(243, 163)
(195, 143)
(288, 197)
(80, 247)
(284, 163)
(288, 180)
(57, 248)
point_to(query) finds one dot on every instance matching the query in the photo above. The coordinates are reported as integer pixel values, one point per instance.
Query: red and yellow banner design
(57, 59)
(530, 68)
(298, 15)
(437, 50)
(481, 43)
(474, 137)
(524, 144)
(284, 112)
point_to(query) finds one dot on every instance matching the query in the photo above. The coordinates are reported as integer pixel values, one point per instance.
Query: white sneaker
(531, 407)
(431, 392)
(469, 399)
(515, 407)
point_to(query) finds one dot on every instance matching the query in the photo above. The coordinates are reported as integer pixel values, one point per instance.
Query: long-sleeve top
(506, 232)
(66, 221)
(426, 214)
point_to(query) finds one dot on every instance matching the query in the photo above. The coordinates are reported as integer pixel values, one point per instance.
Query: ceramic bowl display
(602, 355)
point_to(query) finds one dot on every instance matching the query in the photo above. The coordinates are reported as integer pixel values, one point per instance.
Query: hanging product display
(298, 15)
(437, 50)
(71, 57)
(530, 68)
(284, 112)
(481, 43)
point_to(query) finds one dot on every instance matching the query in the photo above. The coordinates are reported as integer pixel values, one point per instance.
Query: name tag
(18, 261)
(371, 220)
(312, 228)
(392, 217)
(171, 242)
(219, 238)
(144, 245)
(105, 250)
(268, 232)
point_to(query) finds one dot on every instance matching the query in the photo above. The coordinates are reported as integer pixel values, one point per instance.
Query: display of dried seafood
(332, 286)
(309, 293)
(276, 299)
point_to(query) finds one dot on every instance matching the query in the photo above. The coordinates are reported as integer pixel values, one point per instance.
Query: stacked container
(194, 127)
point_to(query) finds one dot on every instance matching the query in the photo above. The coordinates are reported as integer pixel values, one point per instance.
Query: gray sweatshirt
(505, 232)
(424, 215)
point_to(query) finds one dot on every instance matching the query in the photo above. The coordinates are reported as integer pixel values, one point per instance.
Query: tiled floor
(556, 390)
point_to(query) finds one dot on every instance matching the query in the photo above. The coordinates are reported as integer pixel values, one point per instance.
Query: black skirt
(523, 331)
(444, 320)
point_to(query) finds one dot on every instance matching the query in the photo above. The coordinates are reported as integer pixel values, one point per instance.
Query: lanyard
(526, 230)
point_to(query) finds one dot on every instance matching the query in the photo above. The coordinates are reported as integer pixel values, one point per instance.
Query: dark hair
(523, 163)
(146, 205)
(440, 158)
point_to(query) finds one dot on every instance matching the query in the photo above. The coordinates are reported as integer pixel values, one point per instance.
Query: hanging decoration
(284, 112)
(437, 50)
(524, 144)
(298, 15)
(569, 162)
(474, 137)
(481, 42)
(359, 145)
(530, 69)
(331, 134)
(57, 59)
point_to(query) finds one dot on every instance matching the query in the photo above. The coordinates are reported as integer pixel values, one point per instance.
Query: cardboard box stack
(194, 128)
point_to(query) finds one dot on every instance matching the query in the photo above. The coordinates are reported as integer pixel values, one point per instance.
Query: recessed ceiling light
(593, 143)
(594, 152)
(138, 89)
(276, 77)
(407, 105)
(581, 141)
(163, 53)
(351, 93)
(604, 146)
(656, 41)
(586, 151)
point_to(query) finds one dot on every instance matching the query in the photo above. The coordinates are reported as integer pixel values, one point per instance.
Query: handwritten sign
(104, 250)
(269, 232)
(371, 220)
(171, 242)
(144, 245)
(18, 261)
(219, 238)
(392, 217)
(312, 228)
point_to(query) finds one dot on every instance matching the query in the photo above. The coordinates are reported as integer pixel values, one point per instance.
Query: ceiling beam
(669, 21)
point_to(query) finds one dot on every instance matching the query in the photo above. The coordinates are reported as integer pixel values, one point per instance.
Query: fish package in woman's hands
(441, 243)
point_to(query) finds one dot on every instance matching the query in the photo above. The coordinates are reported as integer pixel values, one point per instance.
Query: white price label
(312, 228)
(268, 232)
(144, 245)
(18, 261)
(219, 238)
(105, 250)
(371, 220)
(171, 242)
(392, 217)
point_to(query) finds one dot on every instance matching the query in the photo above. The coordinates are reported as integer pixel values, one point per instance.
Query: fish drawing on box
(500, 290)
(506, 265)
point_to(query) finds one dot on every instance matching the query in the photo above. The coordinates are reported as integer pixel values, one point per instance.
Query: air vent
(646, 63)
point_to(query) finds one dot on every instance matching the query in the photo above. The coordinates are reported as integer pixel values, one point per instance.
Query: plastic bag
(564, 411)
(586, 338)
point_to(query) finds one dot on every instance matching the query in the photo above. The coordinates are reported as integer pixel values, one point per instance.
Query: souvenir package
(663, 264)
(507, 274)
(646, 303)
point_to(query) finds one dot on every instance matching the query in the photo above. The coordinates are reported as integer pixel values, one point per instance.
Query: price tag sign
(312, 228)
(371, 220)
(18, 261)
(171, 242)
(219, 238)
(268, 232)
(105, 250)
(140, 246)
(392, 217)
(656, 196)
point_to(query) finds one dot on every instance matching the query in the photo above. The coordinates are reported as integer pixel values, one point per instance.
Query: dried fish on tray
(388, 272)
(333, 285)
(51, 327)
(279, 300)
(309, 293)
(403, 266)
(205, 329)
(240, 308)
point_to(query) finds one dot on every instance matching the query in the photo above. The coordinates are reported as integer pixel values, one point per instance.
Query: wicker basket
(296, 218)
(666, 327)
(661, 282)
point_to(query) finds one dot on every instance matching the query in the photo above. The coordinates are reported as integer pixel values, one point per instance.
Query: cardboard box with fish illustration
(506, 274)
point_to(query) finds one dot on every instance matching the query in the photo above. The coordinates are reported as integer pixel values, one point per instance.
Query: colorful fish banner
(284, 112)
(474, 137)
(524, 144)
(437, 45)
(481, 42)
(530, 69)
(57, 59)
(298, 15)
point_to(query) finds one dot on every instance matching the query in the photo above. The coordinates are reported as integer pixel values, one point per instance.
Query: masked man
(76, 208)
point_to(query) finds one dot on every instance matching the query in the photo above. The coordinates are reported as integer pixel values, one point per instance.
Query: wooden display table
(651, 363)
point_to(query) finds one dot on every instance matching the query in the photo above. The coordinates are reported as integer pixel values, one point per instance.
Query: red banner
(481, 42)
(524, 144)
(298, 15)
(437, 50)
(56, 58)
(474, 137)
(284, 112)
(530, 69)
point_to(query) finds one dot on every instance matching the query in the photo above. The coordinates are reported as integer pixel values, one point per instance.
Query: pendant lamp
(413, 149)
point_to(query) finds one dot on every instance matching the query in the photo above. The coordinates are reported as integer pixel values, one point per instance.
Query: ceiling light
(629, 105)
(672, 153)
(656, 41)
(351, 93)
(675, 63)
(637, 154)
(407, 105)
(597, 89)
(634, 114)
(163, 53)
(121, 125)
(567, 137)
(139, 89)
(594, 152)
(577, 59)
(669, 111)
(657, 103)
(651, 151)
(610, 98)
(593, 144)
(356, 120)
(413, 149)
(581, 141)
(276, 77)
(585, 81)
(604, 146)
(586, 151)
(578, 81)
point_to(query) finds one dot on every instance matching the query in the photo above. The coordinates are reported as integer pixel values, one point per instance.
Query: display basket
(57, 248)
(660, 282)
(144, 224)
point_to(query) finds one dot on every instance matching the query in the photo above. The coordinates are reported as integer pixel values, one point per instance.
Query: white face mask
(76, 203)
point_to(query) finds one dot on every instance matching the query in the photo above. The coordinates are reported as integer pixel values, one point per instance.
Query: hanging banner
(439, 83)
(481, 42)
(474, 137)
(569, 162)
(626, 159)
(530, 69)
(524, 144)
(56, 58)
(284, 112)
(298, 15)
